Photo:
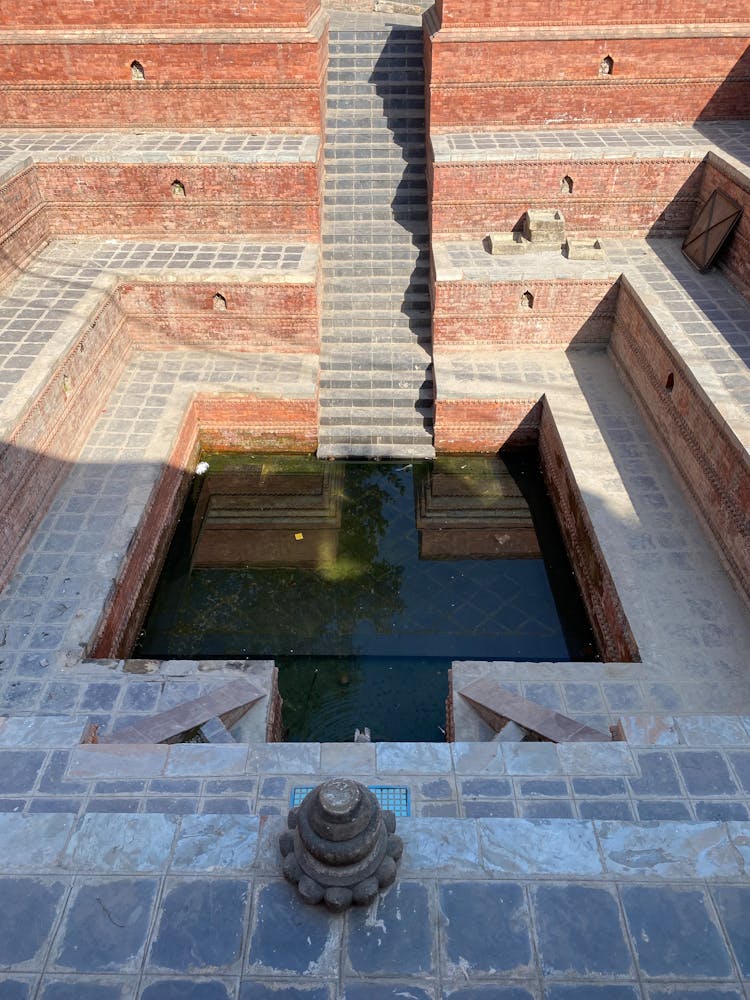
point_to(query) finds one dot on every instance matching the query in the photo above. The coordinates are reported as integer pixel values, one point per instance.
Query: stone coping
(623, 142)
(20, 148)
(110, 843)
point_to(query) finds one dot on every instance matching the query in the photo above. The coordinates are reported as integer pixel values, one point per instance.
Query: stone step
(360, 416)
(397, 450)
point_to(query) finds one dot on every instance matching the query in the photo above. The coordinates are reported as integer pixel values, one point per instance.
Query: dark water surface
(365, 580)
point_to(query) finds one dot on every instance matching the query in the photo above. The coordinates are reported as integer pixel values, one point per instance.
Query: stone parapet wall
(284, 318)
(23, 220)
(701, 446)
(637, 197)
(251, 78)
(257, 200)
(485, 82)
(493, 314)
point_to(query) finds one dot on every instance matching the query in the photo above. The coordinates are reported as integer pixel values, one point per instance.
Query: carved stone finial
(341, 847)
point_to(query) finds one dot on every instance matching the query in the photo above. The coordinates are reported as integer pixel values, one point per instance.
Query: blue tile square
(186, 989)
(579, 932)
(658, 775)
(674, 933)
(29, 910)
(400, 941)
(733, 904)
(289, 937)
(105, 925)
(705, 772)
(503, 945)
(201, 926)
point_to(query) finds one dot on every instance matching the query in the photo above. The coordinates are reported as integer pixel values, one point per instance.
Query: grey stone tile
(668, 849)
(413, 758)
(117, 761)
(41, 731)
(386, 991)
(605, 809)
(705, 773)
(201, 925)
(251, 990)
(449, 848)
(110, 805)
(732, 903)
(486, 807)
(439, 788)
(478, 758)
(490, 788)
(586, 991)
(539, 847)
(740, 761)
(504, 946)
(579, 932)
(712, 731)
(19, 770)
(187, 989)
(599, 786)
(290, 938)
(16, 987)
(33, 843)
(106, 925)
(28, 916)
(286, 758)
(187, 759)
(542, 789)
(658, 775)
(532, 759)
(381, 943)
(596, 759)
(208, 843)
(104, 842)
(662, 809)
(713, 809)
(674, 933)
(688, 992)
(491, 993)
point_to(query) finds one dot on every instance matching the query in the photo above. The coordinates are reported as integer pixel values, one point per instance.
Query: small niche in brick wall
(220, 302)
(178, 189)
(137, 71)
(669, 384)
(607, 66)
(527, 300)
(566, 185)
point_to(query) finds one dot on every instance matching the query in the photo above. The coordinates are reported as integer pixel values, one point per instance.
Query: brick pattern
(735, 259)
(478, 13)
(160, 14)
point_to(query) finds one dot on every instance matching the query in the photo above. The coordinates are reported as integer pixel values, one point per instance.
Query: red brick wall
(700, 446)
(487, 13)
(277, 317)
(23, 221)
(211, 422)
(157, 13)
(131, 592)
(735, 257)
(258, 200)
(627, 197)
(484, 425)
(274, 85)
(38, 453)
(531, 82)
(564, 313)
(613, 634)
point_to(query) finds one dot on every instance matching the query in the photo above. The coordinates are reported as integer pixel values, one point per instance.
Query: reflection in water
(364, 580)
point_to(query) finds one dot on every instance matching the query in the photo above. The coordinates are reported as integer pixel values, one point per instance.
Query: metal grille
(393, 797)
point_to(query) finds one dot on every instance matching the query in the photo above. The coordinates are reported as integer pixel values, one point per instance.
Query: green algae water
(365, 580)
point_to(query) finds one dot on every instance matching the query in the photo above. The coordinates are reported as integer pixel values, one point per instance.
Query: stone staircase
(376, 388)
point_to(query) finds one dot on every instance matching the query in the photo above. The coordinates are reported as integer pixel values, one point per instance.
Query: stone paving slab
(667, 782)
(157, 907)
(693, 142)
